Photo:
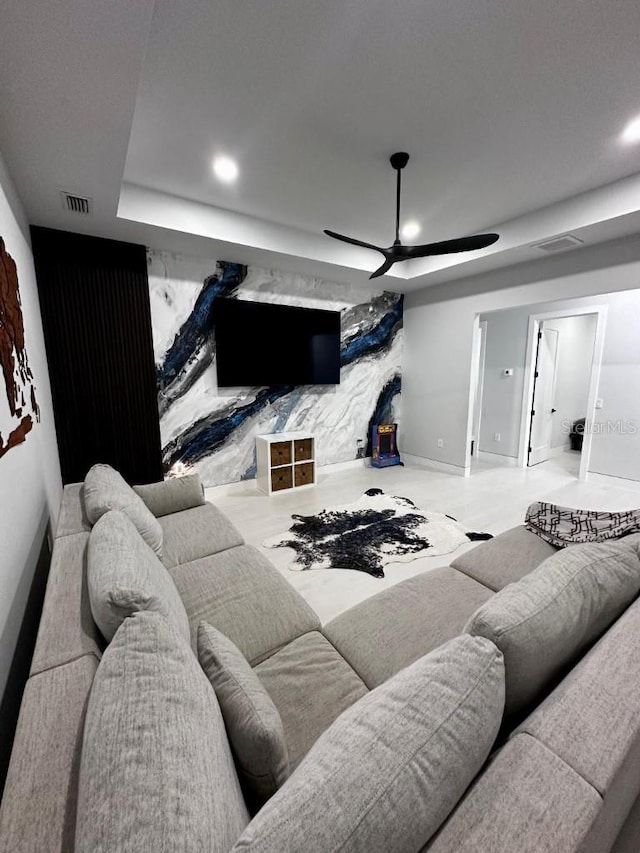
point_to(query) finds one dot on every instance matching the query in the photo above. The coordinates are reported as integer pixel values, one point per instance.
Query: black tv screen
(258, 343)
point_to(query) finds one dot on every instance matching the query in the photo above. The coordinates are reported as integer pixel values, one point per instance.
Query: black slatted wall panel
(94, 300)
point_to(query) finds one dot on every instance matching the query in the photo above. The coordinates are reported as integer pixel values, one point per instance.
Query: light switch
(599, 403)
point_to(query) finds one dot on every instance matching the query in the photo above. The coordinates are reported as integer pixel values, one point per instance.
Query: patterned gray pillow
(388, 771)
(124, 576)
(105, 489)
(156, 771)
(252, 720)
(543, 622)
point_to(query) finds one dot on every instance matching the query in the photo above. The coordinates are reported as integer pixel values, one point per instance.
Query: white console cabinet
(285, 460)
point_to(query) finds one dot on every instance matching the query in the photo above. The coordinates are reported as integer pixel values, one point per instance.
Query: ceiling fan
(398, 252)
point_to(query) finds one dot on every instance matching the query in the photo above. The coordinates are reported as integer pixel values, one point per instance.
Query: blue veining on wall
(383, 412)
(207, 434)
(213, 430)
(202, 438)
(197, 329)
(376, 338)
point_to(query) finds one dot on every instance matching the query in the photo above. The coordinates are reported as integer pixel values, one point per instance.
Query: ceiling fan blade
(447, 247)
(353, 241)
(386, 266)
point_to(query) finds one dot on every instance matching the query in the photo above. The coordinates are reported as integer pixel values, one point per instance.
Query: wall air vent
(558, 244)
(76, 203)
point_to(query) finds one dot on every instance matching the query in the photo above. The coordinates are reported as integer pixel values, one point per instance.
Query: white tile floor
(493, 499)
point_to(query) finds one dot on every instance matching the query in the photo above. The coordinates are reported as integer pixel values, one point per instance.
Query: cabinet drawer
(303, 473)
(281, 478)
(303, 449)
(281, 453)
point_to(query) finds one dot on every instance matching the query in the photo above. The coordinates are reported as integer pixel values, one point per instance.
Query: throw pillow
(105, 489)
(252, 720)
(388, 771)
(544, 621)
(172, 495)
(125, 576)
(156, 771)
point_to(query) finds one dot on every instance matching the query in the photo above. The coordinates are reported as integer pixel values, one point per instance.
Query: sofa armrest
(173, 495)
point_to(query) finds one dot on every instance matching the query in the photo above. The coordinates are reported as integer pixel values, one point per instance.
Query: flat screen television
(259, 343)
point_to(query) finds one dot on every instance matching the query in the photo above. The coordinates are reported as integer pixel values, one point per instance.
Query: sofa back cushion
(543, 622)
(105, 489)
(125, 576)
(390, 769)
(252, 720)
(156, 771)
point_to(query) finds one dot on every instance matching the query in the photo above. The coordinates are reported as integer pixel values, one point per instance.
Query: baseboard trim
(562, 448)
(249, 487)
(436, 465)
(489, 456)
(611, 480)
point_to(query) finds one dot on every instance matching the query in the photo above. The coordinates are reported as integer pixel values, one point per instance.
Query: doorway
(564, 353)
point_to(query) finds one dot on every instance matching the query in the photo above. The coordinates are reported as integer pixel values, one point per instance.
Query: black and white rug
(366, 535)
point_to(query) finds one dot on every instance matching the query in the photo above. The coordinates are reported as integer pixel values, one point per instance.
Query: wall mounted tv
(259, 343)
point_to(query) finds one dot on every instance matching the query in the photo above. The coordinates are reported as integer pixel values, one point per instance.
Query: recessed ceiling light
(225, 169)
(631, 133)
(410, 229)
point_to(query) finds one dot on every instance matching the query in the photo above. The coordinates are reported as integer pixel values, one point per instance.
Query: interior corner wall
(439, 323)
(506, 347)
(212, 430)
(30, 482)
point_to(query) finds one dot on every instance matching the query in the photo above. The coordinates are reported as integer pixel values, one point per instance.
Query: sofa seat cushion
(40, 795)
(543, 623)
(241, 594)
(390, 769)
(392, 629)
(505, 558)
(67, 630)
(195, 533)
(310, 684)
(156, 771)
(591, 719)
(105, 489)
(72, 517)
(124, 576)
(250, 717)
(526, 801)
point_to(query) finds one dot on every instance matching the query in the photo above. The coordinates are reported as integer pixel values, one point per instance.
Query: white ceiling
(511, 113)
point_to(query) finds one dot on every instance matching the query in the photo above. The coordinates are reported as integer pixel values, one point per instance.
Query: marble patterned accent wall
(212, 430)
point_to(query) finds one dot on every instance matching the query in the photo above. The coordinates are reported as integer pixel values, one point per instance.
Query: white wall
(576, 339)
(506, 347)
(30, 485)
(439, 324)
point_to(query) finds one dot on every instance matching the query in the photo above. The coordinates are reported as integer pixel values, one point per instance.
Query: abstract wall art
(212, 430)
(18, 404)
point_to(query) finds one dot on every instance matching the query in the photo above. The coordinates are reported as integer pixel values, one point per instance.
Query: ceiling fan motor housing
(399, 160)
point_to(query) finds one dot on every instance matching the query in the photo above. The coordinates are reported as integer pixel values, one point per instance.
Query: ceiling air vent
(558, 244)
(76, 203)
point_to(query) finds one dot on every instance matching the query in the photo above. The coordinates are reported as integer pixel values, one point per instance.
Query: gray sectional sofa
(563, 777)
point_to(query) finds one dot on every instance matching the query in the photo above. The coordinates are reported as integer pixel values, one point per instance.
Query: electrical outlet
(440, 443)
(496, 436)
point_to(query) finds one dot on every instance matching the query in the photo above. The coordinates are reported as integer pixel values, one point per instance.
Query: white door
(543, 395)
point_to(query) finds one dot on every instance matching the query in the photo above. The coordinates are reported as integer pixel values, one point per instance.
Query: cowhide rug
(366, 535)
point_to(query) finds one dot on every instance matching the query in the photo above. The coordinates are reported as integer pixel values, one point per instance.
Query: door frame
(536, 375)
(478, 361)
(535, 323)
